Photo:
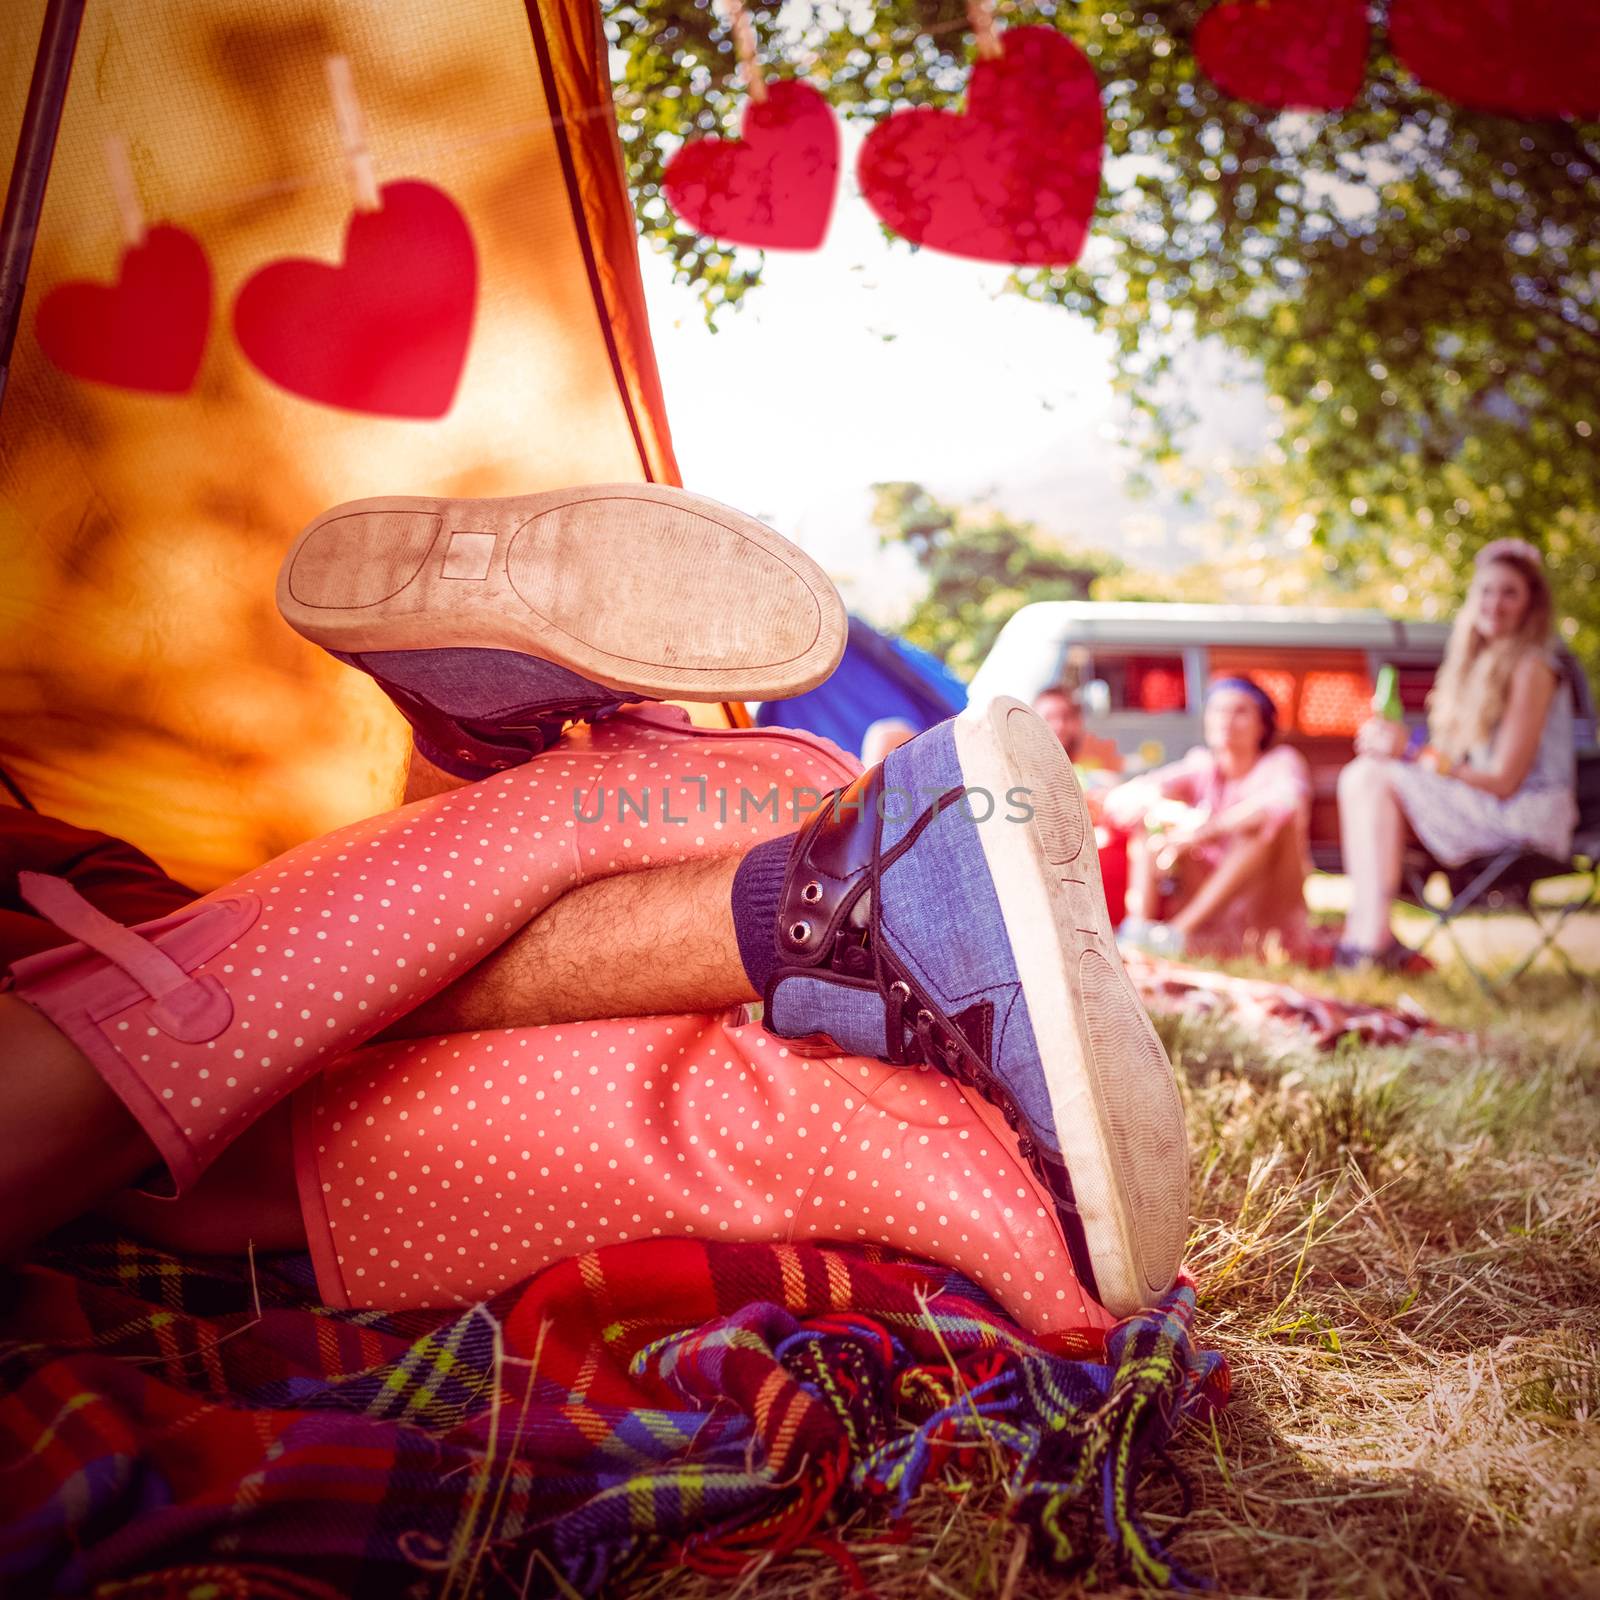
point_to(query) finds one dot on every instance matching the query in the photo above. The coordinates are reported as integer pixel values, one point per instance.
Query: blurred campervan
(1142, 670)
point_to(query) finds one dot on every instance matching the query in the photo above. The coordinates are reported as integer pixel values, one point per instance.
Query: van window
(1334, 704)
(1319, 693)
(1142, 682)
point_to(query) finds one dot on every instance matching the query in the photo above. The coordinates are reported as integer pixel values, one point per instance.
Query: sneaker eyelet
(799, 932)
(811, 893)
(925, 1019)
(903, 990)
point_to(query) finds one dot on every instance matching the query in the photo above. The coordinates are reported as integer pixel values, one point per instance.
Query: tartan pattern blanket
(203, 1428)
(1279, 1012)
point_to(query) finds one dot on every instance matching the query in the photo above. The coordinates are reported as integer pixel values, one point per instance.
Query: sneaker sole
(1117, 1113)
(638, 587)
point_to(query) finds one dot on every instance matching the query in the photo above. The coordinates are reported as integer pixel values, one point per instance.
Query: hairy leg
(1144, 877)
(1372, 835)
(423, 779)
(68, 1141)
(645, 943)
(641, 944)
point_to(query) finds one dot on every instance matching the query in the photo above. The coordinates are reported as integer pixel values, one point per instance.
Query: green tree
(1417, 284)
(981, 567)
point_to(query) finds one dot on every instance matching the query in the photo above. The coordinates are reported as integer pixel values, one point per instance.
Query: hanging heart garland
(386, 330)
(145, 332)
(1518, 58)
(1015, 176)
(773, 186)
(1290, 55)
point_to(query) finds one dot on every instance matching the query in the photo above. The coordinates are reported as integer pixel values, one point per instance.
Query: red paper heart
(1521, 58)
(146, 331)
(773, 186)
(387, 330)
(1292, 55)
(1015, 177)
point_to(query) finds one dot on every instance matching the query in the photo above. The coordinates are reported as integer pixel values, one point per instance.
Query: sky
(866, 361)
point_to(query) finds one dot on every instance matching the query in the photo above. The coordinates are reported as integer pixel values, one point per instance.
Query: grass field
(1399, 1252)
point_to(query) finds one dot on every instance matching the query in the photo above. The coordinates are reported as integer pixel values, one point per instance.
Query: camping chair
(1508, 879)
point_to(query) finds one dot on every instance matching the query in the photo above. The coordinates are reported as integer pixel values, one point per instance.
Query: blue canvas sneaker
(946, 908)
(492, 623)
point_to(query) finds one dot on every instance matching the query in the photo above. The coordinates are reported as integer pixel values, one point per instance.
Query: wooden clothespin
(744, 44)
(352, 134)
(124, 191)
(980, 16)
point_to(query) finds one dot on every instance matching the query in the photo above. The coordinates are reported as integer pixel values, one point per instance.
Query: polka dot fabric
(674, 793)
(355, 928)
(435, 1172)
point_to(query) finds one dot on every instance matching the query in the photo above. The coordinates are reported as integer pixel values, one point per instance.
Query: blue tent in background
(880, 676)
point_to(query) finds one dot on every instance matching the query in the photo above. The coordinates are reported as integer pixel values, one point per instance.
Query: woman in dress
(1498, 766)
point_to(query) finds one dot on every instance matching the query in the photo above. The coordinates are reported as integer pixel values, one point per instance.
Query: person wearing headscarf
(1217, 853)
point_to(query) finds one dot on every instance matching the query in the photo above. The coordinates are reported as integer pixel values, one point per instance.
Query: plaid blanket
(203, 1429)
(1279, 1011)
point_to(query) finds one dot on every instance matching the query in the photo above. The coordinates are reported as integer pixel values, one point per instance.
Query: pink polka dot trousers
(437, 1171)
(203, 1020)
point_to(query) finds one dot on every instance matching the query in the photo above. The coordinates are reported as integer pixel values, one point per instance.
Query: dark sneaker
(947, 908)
(491, 623)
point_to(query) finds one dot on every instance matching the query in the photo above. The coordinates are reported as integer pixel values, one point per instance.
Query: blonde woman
(1498, 767)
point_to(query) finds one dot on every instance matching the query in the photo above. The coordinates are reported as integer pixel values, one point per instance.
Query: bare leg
(423, 779)
(642, 944)
(1372, 836)
(248, 1197)
(1144, 877)
(69, 1141)
(1238, 872)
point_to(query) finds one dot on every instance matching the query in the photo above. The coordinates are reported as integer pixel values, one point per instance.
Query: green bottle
(1386, 697)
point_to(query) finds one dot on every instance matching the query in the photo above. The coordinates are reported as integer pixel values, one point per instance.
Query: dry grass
(1400, 1254)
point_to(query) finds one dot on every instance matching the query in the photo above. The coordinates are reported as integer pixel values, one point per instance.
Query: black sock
(757, 888)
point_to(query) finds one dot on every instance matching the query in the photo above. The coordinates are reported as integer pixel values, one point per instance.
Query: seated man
(1096, 762)
(1062, 713)
(1217, 841)
(973, 1077)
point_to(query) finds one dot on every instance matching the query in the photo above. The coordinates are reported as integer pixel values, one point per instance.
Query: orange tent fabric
(147, 685)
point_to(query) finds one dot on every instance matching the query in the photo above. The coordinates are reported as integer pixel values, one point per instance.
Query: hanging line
(422, 152)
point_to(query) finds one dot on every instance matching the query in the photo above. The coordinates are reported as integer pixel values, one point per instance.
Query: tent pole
(36, 144)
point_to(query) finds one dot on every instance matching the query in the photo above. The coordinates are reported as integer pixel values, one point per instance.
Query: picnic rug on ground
(185, 1428)
(1279, 1011)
